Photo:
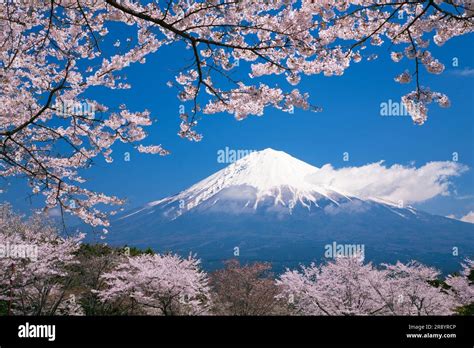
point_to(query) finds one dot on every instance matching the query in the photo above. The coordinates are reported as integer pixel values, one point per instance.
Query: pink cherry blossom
(160, 284)
(33, 282)
(347, 286)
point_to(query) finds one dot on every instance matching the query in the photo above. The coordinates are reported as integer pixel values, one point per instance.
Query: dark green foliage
(471, 277)
(94, 261)
(134, 251)
(91, 250)
(439, 283)
(3, 307)
(466, 310)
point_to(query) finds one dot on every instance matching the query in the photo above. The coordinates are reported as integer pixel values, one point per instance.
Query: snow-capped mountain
(265, 206)
(267, 180)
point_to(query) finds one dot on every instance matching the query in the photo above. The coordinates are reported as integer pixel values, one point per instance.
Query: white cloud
(465, 197)
(347, 207)
(54, 212)
(464, 72)
(469, 217)
(396, 183)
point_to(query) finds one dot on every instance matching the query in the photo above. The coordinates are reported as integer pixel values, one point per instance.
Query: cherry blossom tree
(244, 289)
(34, 264)
(55, 55)
(159, 284)
(461, 285)
(94, 260)
(347, 286)
(410, 288)
(343, 287)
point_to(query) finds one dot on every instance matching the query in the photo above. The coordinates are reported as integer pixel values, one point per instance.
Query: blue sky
(350, 122)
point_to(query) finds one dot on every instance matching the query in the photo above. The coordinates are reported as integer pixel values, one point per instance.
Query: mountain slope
(263, 207)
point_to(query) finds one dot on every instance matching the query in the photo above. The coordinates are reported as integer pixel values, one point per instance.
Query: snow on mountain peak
(270, 173)
(266, 169)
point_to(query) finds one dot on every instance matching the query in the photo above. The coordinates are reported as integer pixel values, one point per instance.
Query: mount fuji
(266, 207)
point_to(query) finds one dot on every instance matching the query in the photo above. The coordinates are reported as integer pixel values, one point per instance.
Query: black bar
(289, 331)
